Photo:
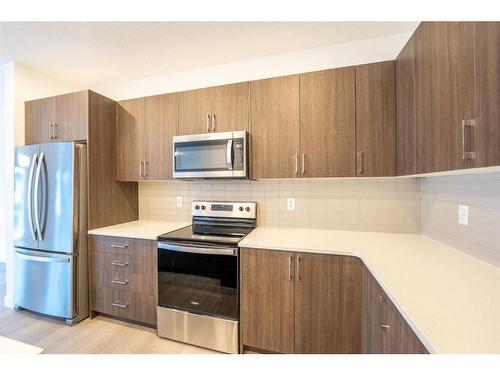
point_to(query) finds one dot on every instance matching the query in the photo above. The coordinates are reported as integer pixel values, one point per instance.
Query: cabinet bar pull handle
(208, 122)
(140, 168)
(50, 130)
(213, 122)
(296, 163)
(303, 163)
(119, 264)
(467, 155)
(119, 282)
(146, 168)
(54, 130)
(119, 246)
(298, 267)
(290, 258)
(359, 162)
(115, 304)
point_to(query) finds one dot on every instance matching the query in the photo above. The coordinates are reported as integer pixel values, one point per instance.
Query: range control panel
(245, 210)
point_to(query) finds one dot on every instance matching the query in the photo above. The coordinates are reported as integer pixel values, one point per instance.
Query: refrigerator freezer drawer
(45, 282)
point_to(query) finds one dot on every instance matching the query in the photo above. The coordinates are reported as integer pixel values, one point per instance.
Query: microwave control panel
(239, 157)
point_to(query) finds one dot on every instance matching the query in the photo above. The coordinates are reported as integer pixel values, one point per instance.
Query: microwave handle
(229, 154)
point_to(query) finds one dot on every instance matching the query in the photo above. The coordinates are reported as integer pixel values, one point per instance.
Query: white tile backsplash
(385, 204)
(440, 198)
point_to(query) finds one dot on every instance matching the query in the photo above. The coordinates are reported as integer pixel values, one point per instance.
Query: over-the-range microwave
(211, 155)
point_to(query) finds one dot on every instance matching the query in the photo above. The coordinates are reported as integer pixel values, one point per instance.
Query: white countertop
(143, 229)
(450, 299)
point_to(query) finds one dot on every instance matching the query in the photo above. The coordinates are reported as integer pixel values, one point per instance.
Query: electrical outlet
(290, 203)
(463, 214)
(179, 201)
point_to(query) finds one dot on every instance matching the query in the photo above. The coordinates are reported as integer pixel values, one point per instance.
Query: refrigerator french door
(50, 225)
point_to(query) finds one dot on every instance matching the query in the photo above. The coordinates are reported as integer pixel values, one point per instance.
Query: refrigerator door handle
(30, 195)
(35, 258)
(37, 191)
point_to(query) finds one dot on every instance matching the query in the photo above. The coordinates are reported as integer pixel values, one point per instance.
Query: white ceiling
(89, 54)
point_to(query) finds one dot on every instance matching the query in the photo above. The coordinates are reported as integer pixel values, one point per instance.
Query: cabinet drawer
(126, 272)
(122, 245)
(132, 306)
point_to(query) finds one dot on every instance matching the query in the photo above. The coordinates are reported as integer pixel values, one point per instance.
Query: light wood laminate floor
(97, 336)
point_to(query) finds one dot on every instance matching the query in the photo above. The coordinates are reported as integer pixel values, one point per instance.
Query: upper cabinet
(214, 109)
(58, 118)
(405, 110)
(375, 120)
(145, 127)
(487, 90)
(274, 141)
(444, 96)
(327, 123)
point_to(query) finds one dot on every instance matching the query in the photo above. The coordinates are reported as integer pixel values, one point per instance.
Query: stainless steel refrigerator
(50, 230)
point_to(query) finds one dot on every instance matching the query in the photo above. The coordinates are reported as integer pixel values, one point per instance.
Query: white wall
(19, 85)
(345, 54)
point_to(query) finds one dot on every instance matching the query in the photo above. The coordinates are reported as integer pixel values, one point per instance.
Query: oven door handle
(233, 251)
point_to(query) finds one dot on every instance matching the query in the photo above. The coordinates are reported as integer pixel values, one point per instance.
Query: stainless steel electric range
(198, 291)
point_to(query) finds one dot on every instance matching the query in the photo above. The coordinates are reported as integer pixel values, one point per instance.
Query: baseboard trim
(8, 301)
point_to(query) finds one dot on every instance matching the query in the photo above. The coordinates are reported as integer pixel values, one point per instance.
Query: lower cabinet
(385, 331)
(294, 302)
(300, 303)
(123, 278)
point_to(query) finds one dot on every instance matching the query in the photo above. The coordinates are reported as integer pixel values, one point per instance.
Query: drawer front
(122, 245)
(130, 273)
(127, 305)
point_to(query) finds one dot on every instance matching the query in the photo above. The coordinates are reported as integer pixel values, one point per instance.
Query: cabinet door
(373, 341)
(71, 117)
(274, 114)
(405, 110)
(160, 126)
(398, 336)
(327, 123)
(267, 300)
(444, 94)
(328, 301)
(230, 104)
(487, 89)
(194, 109)
(39, 114)
(129, 142)
(375, 120)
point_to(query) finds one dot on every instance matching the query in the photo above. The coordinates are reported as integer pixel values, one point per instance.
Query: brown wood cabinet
(129, 139)
(405, 110)
(300, 303)
(327, 123)
(444, 95)
(267, 300)
(145, 127)
(375, 120)
(214, 109)
(58, 118)
(274, 140)
(487, 91)
(385, 331)
(123, 279)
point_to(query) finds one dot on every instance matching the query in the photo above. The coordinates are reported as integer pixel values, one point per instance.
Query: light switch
(290, 203)
(179, 201)
(463, 214)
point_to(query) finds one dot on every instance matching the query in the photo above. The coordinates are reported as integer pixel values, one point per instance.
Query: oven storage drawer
(133, 306)
(125, 272)
(122, 245)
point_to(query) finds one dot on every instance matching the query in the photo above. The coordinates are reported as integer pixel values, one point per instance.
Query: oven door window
(202, 156)
(199, 283)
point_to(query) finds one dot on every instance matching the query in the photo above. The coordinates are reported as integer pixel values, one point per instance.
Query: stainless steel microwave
(211, 155)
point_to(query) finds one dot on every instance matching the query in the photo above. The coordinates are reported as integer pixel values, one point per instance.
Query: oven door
(201, 279)
(212, 155)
